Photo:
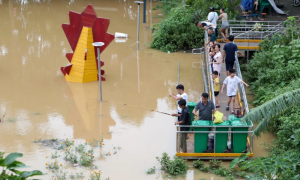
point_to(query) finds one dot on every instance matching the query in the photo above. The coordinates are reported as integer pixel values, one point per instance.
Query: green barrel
(221, 138)
(239, 140)
(191, 106)
(200, 142)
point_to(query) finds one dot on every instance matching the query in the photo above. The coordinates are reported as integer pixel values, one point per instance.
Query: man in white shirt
(180, 95)
(213, 18)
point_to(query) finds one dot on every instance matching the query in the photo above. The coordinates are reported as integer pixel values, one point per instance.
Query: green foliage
(77, 176)
(238, 160)
(215, 164)
(281, 166)
(173, 167)
(151, 171)
(66, 144)
(2, 155)
(167, 5)
(10, 164)
(205, 169)
(222, 171)
(95, 176)
(88, 158)
(274, 76)
(177, 32)
(198, 163)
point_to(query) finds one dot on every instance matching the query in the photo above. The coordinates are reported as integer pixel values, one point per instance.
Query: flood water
(40, 103)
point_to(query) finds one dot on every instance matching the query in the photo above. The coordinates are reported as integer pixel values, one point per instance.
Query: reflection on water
(39, 103)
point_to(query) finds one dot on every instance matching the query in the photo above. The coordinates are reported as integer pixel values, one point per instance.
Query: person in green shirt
(212, 35)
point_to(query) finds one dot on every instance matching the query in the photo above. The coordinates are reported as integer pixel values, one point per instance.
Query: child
(211, 35)
(215, 76)
(232, 81)
(185, 119)
(211, 53)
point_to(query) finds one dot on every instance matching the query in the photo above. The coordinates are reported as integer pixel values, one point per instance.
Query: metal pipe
(138, 27)
(144, 20)
(99, 73)
(192, 132)
(208, 126)
(178, 72)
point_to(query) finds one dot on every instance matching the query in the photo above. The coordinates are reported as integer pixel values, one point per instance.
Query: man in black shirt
(185, 119)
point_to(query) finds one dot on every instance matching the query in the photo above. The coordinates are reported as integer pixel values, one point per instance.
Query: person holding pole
(185, 119)
(180, 95)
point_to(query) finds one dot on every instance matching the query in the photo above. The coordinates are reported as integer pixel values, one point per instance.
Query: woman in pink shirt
(217, 60)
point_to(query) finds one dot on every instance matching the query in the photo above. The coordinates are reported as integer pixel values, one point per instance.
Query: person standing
(180, 95)
(225, 24)
(211, 53)
(213, 18)
(232, 82)
(217, 59)
(206, 108)
(215, 76)
(229, 51)
(185, 119)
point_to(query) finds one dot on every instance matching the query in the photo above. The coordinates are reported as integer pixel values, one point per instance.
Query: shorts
(216, 93)
(225, 25)
(229, 66)
(232, 96)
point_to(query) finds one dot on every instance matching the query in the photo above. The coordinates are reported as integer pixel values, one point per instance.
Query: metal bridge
(247, 36)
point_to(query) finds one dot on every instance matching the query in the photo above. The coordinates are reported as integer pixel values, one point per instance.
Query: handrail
(211, 84)
(199, 49)
(204, 79)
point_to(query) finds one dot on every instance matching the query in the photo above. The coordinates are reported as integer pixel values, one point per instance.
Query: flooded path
(39, 103)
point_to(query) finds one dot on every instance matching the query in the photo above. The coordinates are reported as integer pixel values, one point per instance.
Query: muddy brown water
(39, 103)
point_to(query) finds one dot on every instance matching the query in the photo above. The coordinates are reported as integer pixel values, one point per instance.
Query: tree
(265, 112)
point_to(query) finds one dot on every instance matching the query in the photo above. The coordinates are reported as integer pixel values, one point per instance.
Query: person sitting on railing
(232, 82)
(185, 119)
(206, 108)
(211, 35)
(229, 54)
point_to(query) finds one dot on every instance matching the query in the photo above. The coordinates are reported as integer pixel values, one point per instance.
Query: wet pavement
(40, 104)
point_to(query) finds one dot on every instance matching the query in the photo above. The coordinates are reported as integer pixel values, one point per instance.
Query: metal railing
(249, 147)
(256, 32)
(209, 72)
(201, 50)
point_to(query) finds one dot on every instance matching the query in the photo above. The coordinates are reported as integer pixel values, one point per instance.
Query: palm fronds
(263, 114)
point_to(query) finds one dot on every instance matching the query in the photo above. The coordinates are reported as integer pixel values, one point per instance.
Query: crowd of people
(205, 106)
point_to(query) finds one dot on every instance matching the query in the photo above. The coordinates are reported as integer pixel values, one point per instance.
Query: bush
(177, 32)
(173, 167)
(198, 163)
